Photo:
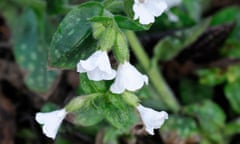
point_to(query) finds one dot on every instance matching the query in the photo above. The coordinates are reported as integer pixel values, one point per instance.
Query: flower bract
(97, 67)
(128, 77)
(147, 10)
(51, 121)
(152, 119)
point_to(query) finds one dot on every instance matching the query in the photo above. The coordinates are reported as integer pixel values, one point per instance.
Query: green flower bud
(107, 39)
(98, 29)
(130, 98)
(121, 50)
(75, 104)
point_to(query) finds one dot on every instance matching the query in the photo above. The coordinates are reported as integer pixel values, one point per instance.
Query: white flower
(97, 66)
(146, 10)
(152, 119)
(51, 121)
(128, 77)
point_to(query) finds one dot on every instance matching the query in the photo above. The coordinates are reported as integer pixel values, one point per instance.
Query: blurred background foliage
(199, 56)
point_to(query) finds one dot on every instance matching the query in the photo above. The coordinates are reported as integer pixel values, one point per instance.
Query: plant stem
(153, 72)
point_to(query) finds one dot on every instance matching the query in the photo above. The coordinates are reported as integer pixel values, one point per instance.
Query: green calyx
(120, 48)
(130, 99)
(107, 39)
(78, 102)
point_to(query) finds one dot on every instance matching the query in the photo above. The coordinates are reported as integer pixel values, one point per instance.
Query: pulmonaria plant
(152, 119)
(51, 121)
(128, 78)
(147, 10)
(97, 67)
(107, 31)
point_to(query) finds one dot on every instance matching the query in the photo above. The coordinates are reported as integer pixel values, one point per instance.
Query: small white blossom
(152, 119)
(97, 67)
(51, 121)
(128, 77)
(147, 10)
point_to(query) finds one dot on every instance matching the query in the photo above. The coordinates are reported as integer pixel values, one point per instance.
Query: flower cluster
(51, 121)
(147, 10)
(98, 67)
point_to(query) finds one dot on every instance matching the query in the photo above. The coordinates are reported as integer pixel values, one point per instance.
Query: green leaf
(229, 15)
(114, 6)
(49, 107)
(231, 91)
(129, 24)
(192, 92)
(170, 46)
(232, 127)
(117, 112)
(88, 114)
(105, 20)
(194, 9)
(226, 15)
(233, 74)
(72, 40)
(150, 98)
(128, 4)
(211, 119)
(111, 135)
(211, 77)
(184, 126)
(89, 86)
(31, 53)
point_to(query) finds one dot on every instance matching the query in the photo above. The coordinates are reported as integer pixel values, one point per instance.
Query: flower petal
(90, 63)
(104, 63)
(147, 9)
(118, 86)
(156, 7)
(136, 79)
(145, 17)
(51, 121)
(97, 67)
(128, 77)
(98, 75)
(152, 119)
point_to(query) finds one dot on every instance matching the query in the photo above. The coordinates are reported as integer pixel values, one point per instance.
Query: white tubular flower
(97, 67)
(51, 121)
(128, 77)
(152, 119)
(146, 10)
